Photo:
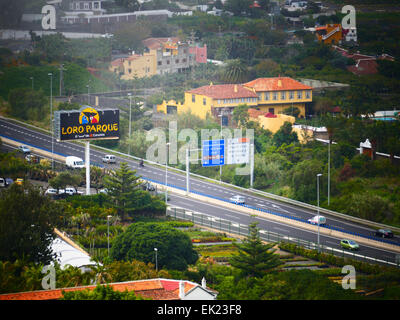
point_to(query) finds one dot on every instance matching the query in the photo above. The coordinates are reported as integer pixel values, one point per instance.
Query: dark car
(384, 233)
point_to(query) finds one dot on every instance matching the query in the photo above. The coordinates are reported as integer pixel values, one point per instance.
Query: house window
(266, 96)
(275, 96)
(159, 63)
(204, 101)
(167, 61)
(184, 60)
(283, 95)
(271, 110)
(193, 98)
(291, 95)
(177, 61)
(299, 94)
(219, 101)
(129, 70)
(260, 96)
(308, 94)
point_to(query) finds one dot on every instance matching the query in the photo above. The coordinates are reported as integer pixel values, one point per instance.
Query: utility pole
(61, 78)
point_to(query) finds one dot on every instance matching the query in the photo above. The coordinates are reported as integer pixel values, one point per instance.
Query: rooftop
(157, 289)
(224, 91)
(276, 84)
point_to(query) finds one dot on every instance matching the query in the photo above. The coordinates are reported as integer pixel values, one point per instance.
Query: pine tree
(255, 259)
(122, 187)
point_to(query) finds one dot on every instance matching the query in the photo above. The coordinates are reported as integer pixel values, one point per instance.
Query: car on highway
(349, 244)
(109, 158)
(148, 187)
(19, 181)
(70, 191)
(24, 149)
(384, 233)
(237, 199)
(314, 220)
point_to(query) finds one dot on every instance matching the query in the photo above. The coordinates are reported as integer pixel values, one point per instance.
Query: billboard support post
(87, 164)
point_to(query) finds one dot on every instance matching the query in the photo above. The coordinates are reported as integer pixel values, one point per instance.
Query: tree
(64, 179)
(235, 71)
(122, 186)
(241, 115)
(175, 249)
(130, 5)
(101, 292)
(27, 220)
(254, 259)
(285, 135)
(26, 103)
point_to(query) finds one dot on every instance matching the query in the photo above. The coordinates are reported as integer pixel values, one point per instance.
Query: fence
(222, 225)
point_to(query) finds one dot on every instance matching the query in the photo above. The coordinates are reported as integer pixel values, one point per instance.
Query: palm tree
(235, 71)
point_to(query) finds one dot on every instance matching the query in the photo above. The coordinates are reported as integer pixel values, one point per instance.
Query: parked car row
(70, 191)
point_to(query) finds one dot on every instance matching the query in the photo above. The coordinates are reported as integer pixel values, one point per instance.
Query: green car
(349, 244)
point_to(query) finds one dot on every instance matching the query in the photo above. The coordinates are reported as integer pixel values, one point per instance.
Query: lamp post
(130, 121)
(220, 136)
(108, 234)
(318, 175)
(51, 120)
(166, 173)
(88, 95)
(155, 249)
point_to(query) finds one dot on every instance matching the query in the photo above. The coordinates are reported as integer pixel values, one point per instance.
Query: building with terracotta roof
(163, 55)
(135, 66)
(213, 99)
(279, 93)
(155, 289)
(269, 95)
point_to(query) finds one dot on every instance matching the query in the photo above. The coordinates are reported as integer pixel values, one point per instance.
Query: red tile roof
(156, 43)
(276, 84)
(156, 289)
(224, 91)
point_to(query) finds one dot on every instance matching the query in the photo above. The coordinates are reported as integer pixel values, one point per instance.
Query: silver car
(237, 199)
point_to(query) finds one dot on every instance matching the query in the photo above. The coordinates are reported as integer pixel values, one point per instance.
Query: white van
(74, 162)
(314, 220)
(109, 158)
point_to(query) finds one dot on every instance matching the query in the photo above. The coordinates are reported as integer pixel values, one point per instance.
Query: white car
(70, 191)
(109, 158)
(24, 149)
(314, 220)
(237, 200)
(50, 191)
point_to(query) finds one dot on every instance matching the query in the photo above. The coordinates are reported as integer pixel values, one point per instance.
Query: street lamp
(88, 95)
(220, 136)
(166, 173)
(130, 121)
(155, 249)
(51, 120)
(108, 234)
(318, 175)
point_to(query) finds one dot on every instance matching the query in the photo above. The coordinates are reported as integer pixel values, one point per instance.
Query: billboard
(213, 153)
(238, 151)
(86, 124)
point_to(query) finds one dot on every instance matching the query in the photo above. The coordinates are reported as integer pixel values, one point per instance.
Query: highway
(43, 141)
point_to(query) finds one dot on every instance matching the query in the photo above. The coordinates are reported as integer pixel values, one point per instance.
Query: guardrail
(223, 225)
(278, 214)
(231, 186)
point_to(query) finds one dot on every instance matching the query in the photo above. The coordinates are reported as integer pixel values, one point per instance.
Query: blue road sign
(213, 153)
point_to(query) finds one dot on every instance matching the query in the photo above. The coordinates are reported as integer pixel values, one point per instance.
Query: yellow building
(135, 66)
(266, 95)
(214, 100)
(280, 93)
